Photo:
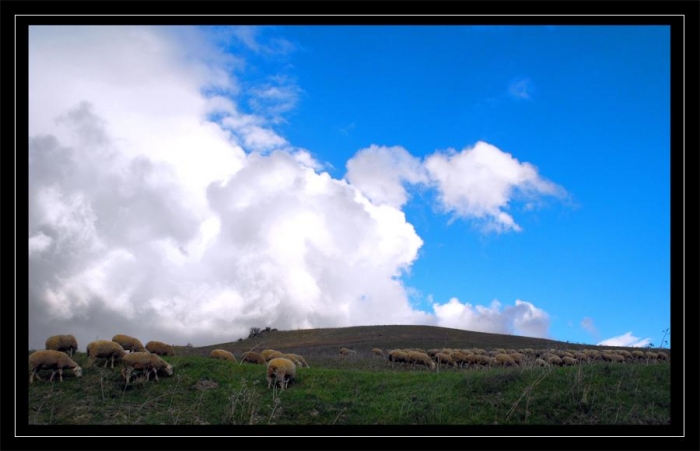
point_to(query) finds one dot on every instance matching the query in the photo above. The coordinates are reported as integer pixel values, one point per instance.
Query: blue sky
(503, 179)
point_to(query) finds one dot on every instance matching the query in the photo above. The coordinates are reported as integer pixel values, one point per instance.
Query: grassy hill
(360, 389)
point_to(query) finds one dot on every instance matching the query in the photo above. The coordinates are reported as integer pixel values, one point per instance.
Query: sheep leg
(60, 374)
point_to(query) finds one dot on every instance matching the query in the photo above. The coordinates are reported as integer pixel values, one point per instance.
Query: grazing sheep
(63, 343)
(129, 343)
(650, 355)
(300, 359)
(398, 355)
(626, 354)
(663, 356)
(518, 357)
(222, 354)
(105, 349)
(460, 358)
(639, 355)
(346, 351)
(254, 357)
(568, 361)
(610, 357)
(272, 355)
(421, 358)
(267, 352)
(484, 360)
(582, 357)
(291, 357)
(554, 359)
(378, 352)
(159, 348)
(52, 360)
(540, 362)
(504, 360)
(282, 371)
(144, 361)
(442, 357)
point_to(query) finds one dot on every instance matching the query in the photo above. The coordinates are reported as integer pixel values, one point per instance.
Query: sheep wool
(254, 357)
(281, 371)
(63, 343)
(129, 343)
(300, 359)
(105, 349)
(420, 358)
(222, 354)
(144, 361)
(159, 348)
(504, 360)
(398, 355)
(52, 360)
(272, 355)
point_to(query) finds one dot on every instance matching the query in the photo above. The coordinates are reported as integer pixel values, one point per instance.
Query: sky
(189, 183)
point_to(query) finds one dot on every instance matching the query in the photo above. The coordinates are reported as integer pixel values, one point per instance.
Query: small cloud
(521, 88)
(480, 182)
(587, 324)
(345, 130)
(627, 340)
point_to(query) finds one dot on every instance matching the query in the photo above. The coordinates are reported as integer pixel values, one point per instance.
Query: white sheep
(397, 355)
(63, 343)
(254, 357)
(105, 349)
(541, 362)
(446, 359)
(554, 359)
(421, 358)
(610, 357)
(378, 352)
(300, 359)
(144, 361)
(267, 352)
(568, 361)
(222, 354)
(346, 351)
(504, 360)
(518, 357)
(282, 371)
(129, 343)
(159, 348)
(484, 360)
(272, 355)
(52, 360)
(639, 355)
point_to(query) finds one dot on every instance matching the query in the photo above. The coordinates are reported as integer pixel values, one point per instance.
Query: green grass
(361, 390)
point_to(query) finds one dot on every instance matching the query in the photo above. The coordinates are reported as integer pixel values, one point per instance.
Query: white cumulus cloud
(523, 318)
(381, 172)
(627, 340)
(159, 209)
(480, 182)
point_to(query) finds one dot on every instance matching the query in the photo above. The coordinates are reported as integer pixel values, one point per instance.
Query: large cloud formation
(158, 207)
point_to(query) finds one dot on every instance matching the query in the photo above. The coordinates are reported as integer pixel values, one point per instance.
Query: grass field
(361, 389)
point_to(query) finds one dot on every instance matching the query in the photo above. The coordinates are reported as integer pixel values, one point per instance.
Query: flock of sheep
(477, 358)
(281, 367)
(134, 356)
